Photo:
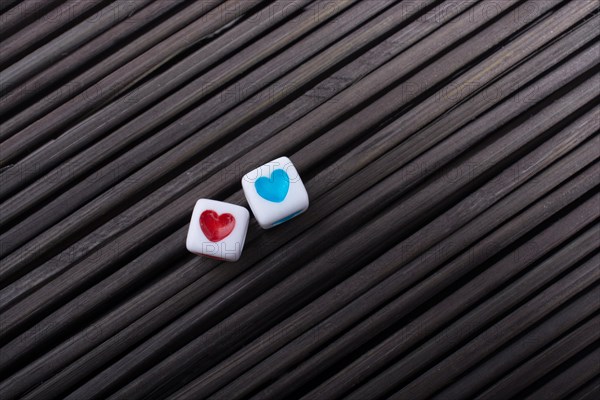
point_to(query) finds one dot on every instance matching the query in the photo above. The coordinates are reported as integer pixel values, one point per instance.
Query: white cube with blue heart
(275, 192)
(218, 230)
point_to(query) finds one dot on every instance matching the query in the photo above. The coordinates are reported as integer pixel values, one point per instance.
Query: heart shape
(216, 227)
(274, 188)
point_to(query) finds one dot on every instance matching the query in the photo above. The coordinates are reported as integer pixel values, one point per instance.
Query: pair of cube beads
(275, 194)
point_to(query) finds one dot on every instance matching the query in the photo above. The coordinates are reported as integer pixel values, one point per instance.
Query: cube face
(275, 192)
(218, 230)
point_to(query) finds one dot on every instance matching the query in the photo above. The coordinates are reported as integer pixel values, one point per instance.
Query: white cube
(275, 192)
(218, 230)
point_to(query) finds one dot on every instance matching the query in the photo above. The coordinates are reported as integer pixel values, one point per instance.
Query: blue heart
(275, 188)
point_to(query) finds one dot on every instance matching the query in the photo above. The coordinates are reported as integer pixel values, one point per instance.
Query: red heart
(216, 227)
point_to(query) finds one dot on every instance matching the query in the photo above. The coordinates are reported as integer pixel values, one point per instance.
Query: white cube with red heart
(275, 192)
(218, 230)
